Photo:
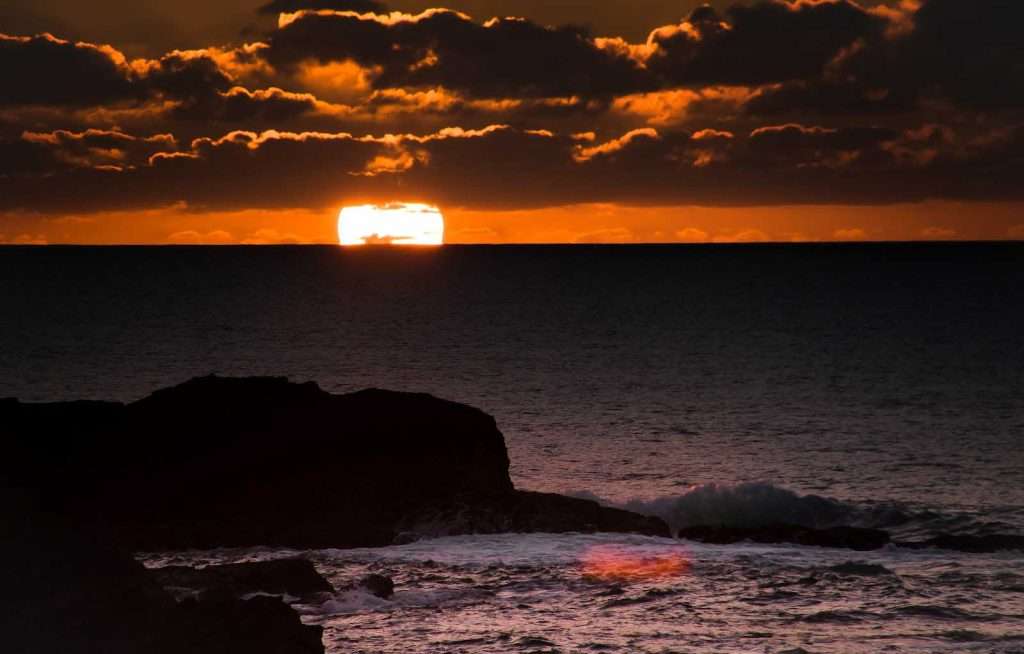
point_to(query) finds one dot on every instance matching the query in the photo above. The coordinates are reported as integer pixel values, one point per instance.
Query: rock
(263, 625)
(528, 512)
(986, 544)
(837, 537)
(378, 585)
(855, 569)
(295, 577)
(223, 462)
(71, 592)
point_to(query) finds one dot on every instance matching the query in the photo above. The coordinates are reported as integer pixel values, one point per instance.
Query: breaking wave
(759, 504)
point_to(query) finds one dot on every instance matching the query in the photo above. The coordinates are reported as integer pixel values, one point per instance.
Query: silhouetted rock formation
(260, 625)
(295, 577)
(236, 462)
(837, 537)
(71, 593)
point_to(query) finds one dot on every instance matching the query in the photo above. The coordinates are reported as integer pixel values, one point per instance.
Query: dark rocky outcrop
(70, 592)
(295, 577)
(260, 625)
(853, 538)
(238, 462)
(526, 512)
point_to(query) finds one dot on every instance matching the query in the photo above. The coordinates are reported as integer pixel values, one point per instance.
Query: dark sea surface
(705, 382)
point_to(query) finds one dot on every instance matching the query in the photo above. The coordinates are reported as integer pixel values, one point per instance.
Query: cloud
(359, 6)
(774, 102)
(677, 106)
(758, 44)
(850, 234)
(45, 70)
(608, 235)
(271, 236)
(944, 50)
(24, 239)
(192, 237)
(744, 236)
(96, 148)
(504, 57)
(814, 146)
(692, 235)
(609, 149)
(785, 164)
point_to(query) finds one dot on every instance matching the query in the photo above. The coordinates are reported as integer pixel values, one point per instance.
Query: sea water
(877, 385)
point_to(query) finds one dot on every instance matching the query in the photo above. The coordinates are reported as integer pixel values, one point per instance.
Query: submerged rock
(223, 462)
(856, 569)
(853, 538)
(378, 586)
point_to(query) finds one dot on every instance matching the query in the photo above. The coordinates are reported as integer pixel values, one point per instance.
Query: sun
(396, 223)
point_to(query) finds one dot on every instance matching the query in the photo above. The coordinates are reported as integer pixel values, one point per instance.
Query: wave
(761, 504)
(745, 505)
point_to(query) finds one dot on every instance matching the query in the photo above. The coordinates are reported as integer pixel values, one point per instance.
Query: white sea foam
(500, 594)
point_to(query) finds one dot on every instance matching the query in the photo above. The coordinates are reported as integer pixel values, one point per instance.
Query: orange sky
(595, 223)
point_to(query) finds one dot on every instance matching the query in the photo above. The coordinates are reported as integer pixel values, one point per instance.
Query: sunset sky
(596, 121)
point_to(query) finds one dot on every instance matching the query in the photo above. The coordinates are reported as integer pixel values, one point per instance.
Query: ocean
(869, 385)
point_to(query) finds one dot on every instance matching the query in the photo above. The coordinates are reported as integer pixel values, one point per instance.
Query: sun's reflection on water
(624, 564)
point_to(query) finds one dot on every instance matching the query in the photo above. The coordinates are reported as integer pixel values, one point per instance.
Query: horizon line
(400, 247)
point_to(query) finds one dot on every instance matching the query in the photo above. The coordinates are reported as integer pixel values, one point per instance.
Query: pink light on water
(623, 563)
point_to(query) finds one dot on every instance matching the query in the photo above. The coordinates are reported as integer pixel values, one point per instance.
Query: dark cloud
(45, 153)
(759, 44)
(361, 6)
(971, 53)
(968, 54)
(791, 164)
(19, 158)
(809, 145)
(829, 97)
(44, 70)
(501, 58)
(241, 105)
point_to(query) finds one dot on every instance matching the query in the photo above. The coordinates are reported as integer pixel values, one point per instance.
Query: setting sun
(391, 224)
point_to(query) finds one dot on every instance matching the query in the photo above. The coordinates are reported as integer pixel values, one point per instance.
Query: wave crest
(758, 504)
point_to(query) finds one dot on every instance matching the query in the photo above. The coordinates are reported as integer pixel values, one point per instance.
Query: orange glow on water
(616, 563)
